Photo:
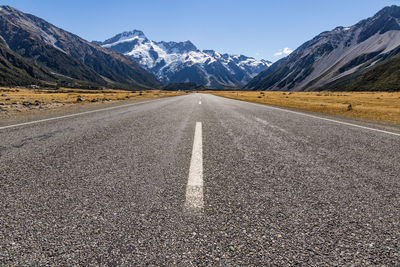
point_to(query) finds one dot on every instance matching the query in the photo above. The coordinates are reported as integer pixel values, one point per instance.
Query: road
(198, 180)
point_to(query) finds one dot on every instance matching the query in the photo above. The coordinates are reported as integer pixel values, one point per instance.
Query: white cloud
(285, 51)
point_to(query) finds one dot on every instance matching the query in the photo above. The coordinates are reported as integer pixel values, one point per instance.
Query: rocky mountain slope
(384, 76)
(334, 60)
(63, 56)
(177, 62)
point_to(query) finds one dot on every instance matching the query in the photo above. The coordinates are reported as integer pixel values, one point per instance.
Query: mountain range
(364, 56)
(35, 51)
(178, 62)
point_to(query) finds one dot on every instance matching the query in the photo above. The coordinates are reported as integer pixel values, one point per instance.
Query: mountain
(62, 56)
(346, 58)
(178, 62)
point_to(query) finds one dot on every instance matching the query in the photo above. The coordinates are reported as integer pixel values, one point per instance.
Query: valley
(236, 149)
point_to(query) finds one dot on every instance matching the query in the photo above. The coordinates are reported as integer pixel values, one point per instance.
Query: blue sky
(258, 28)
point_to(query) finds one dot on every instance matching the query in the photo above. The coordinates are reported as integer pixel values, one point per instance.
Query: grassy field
(378, 106)
(69, 96)
(18, 100)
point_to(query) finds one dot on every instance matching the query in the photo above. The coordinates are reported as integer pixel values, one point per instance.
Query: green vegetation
(15, 70)
(384, 77)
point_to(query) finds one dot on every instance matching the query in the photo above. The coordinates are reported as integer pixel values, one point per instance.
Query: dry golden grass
(378, 106)
(69, 96)
(17, 102)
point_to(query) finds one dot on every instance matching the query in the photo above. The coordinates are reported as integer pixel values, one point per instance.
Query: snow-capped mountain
(334, 58)
(175, 62)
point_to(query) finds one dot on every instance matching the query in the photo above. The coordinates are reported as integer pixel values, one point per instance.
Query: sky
(268, 29)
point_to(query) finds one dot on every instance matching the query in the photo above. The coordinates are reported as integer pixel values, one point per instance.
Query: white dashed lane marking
(194, 203)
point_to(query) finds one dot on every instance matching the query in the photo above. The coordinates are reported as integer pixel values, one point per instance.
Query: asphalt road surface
(198, 180)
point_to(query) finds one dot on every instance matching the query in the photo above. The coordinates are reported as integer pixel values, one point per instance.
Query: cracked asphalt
(280, 189)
